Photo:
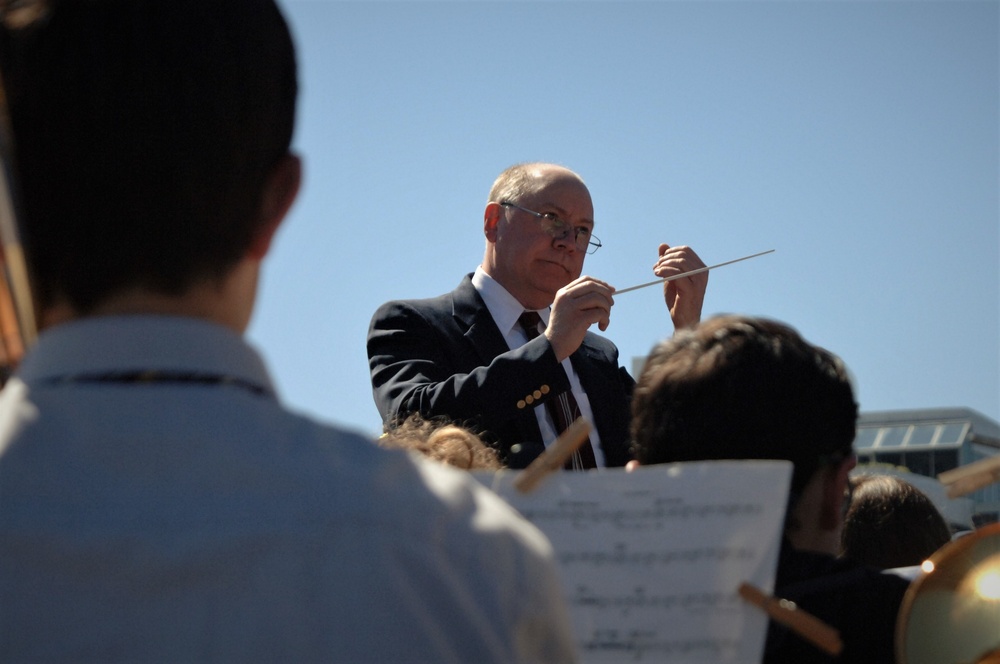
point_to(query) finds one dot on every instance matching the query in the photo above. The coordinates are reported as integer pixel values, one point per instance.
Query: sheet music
(651, 560)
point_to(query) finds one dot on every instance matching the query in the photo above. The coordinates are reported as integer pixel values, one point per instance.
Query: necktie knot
(530, 320)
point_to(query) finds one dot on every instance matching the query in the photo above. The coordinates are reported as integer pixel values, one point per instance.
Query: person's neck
(532, 301)
(228, 302)
(814, 527)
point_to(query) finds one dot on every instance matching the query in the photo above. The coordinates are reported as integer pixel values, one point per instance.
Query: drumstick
(689, 273)
(554, 456)
(17, 312)
(972, 477)
(788, 614)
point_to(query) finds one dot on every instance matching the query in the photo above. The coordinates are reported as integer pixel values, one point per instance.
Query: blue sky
(858, 139)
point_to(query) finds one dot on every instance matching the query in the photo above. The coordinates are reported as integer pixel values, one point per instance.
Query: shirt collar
(503, 306)
(140, 343)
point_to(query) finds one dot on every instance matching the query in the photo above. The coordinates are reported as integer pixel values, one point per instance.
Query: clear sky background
(857, 139)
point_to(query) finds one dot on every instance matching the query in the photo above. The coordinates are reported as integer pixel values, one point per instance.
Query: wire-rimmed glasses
(558, 228)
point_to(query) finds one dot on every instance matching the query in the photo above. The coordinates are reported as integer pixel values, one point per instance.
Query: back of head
(891, 523)
(144, 131)
(743, 388)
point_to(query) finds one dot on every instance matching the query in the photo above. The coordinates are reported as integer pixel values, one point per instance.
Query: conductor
(509, 352)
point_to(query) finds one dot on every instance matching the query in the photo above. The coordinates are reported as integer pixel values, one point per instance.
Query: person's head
(524, 253)
(152, 142)
(891, 523)
(746, 388)
(442, 441)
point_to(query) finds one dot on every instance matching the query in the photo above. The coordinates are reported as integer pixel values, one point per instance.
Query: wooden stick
(689, 273)
(971, 477)
(809, 627)
(14, 270)
(554, 456)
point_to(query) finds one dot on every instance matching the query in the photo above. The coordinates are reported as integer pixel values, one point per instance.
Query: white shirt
(191, 518)
(505, 310)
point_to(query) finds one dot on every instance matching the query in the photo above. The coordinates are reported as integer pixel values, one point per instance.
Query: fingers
(686, 295)
(581, 303)
(676, 260)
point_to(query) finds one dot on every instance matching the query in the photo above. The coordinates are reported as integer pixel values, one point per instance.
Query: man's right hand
(577, 306)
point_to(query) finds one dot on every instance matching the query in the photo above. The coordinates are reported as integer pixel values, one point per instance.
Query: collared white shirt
(159, 504)
(505, 310)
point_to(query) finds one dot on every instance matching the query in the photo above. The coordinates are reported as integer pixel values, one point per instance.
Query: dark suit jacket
(445, 356)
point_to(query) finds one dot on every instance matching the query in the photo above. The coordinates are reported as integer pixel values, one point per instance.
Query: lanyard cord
(152, 377)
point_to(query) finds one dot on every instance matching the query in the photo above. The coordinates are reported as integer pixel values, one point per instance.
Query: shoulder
(404, 515)
(440, 305)
(411, 493)
(860, 602)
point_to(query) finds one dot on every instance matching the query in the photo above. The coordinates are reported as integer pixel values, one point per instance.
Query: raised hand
(684, 296)
(578, 305)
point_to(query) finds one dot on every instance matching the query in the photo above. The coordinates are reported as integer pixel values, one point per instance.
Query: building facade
(920, 444)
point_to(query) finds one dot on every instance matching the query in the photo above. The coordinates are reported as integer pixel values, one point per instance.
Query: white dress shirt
(505, 310)
(185, 515)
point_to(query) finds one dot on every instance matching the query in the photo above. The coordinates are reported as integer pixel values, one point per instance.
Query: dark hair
(743, 388)
(144, 131)
(891, 523)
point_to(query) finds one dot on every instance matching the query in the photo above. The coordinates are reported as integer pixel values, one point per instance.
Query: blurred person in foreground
(745, 388)
(157, 502)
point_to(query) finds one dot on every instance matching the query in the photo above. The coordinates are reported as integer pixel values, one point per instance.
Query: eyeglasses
(558, 229)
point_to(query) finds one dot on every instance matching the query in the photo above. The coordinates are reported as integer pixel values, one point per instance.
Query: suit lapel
(485, 341)
(474, 318)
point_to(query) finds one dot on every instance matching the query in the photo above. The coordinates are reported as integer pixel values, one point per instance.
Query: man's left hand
(684, 296)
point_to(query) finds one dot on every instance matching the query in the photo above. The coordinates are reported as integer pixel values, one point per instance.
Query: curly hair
(442, 441)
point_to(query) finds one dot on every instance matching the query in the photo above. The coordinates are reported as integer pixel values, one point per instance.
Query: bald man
(469, 356)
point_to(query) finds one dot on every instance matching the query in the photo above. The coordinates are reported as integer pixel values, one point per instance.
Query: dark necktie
(562, 407)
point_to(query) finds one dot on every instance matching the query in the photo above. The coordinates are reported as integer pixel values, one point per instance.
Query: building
(920, 444)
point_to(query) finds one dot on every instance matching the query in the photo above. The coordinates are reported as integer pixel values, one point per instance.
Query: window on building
(944, 460)
(919, 462)
(923, 434)
(893, 437)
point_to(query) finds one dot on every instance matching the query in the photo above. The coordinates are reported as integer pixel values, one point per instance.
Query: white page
(651, 560)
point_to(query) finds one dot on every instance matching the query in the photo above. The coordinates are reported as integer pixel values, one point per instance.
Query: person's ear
(835, 493)
(280, 190)
(491, 219)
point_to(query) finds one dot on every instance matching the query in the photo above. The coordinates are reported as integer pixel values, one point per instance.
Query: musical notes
(646, 558)
(651, 560)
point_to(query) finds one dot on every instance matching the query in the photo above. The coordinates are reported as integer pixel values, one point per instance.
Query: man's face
(530, 263)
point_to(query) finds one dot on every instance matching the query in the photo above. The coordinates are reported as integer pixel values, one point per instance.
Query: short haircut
(517, 181)
(891, 523)
(144, 132)
(736, 387)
